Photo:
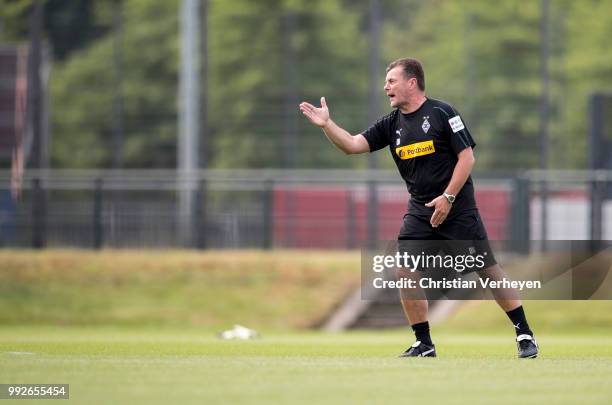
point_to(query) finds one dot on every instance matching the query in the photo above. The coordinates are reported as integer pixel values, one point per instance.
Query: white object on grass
(239, 332)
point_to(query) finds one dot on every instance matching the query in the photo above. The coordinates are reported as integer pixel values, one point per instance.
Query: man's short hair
(411, 68)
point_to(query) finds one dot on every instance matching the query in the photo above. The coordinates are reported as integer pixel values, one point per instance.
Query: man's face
(398, 87)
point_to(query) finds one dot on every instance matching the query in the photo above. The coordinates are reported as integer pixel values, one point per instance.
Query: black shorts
(462, 233)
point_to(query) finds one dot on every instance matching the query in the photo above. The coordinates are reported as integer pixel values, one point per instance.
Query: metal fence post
(596, 205)
(39, 215)
(98, 226)
(351, 228)
(519, 216)
(268, 211)
(200, 216)
(372, 214)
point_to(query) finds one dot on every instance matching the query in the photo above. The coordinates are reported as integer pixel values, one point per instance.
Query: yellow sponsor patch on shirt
(415, 149)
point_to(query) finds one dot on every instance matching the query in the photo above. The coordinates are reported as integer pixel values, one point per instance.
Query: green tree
(485, 61)
(82, 93)
(248, 85)
(14, 19)
(266, 55)
(588, 67)
(249, 78)
(69, 25)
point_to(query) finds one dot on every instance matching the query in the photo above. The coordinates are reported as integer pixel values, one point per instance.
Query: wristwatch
(449, 197)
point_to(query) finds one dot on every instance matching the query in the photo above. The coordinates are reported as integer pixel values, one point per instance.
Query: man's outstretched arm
(344, 141)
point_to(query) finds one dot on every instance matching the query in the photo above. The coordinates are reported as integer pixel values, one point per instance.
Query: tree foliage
(266, 56)
(84, 88)
(261, 68)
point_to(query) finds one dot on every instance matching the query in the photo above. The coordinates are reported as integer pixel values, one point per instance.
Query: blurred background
(158, 184)
(166, 123)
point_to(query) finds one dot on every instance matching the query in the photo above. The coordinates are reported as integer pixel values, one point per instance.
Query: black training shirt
(425, 145)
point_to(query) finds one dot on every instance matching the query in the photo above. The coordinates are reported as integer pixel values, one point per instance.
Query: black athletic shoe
(419, 349)
(527, 347)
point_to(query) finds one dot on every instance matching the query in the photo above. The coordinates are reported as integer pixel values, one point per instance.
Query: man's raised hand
(318, 116)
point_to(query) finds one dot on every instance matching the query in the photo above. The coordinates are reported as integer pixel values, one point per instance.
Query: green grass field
(106, 365)
(141, 327)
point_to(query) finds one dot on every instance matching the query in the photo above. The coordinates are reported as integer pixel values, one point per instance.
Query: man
(432, 149)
